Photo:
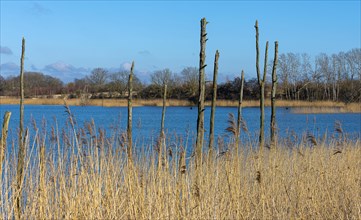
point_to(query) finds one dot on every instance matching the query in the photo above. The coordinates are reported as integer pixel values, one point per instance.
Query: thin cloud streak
(39, 9)
(144, 53)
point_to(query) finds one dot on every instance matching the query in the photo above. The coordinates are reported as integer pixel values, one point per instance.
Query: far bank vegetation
(334, 77)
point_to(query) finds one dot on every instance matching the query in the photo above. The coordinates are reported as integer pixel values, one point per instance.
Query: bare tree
(336, 68)
(290, 74)
(190, 79)
(323, 67)
(2, 85)
(119, 81)
(98, 78)
(307, 70)
(160, 77)
(283, 74)
(353, 58)
(294, 63)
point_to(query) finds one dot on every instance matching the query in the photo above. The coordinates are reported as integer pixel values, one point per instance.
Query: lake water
(183, 120)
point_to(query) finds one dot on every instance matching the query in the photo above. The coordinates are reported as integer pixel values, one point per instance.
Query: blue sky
(68, 39)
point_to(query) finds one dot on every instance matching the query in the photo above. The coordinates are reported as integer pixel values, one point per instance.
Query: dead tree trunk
(163, 110)
(162, 148)
(261, 84)
(239, 114)
(130, 114)
(214, 99)
(200, 119)
(201, 89)
(21, 153)
(273, 96)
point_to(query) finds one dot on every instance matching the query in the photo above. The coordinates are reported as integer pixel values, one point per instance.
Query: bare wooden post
(201, 89)
(4, 135)
(239, 115)
(130, 113)
(262, 97)
(261, 83)
(162, 149)
(273, 96)
(163, 110)
(21, 153)
(214, 99)
(200, 119)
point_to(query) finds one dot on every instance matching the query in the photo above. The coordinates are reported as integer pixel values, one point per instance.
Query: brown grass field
(94, 180)
(297, 106)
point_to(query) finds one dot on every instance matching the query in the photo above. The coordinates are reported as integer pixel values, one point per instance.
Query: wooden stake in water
(261, 83)
(130, 113)
(239, 113)
(21, 153)
(163, 110)
(214, 99)
(201, 89)
(162, 150)
(273, 96)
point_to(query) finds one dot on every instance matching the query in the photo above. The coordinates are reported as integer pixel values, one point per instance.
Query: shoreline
(299, 107)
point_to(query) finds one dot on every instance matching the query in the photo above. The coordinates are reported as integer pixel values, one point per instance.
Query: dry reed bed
(93, 180)
(305, 106)
(96, 102)
(350, 108)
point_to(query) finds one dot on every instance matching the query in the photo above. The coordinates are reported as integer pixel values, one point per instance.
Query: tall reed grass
(350, 108)
(304, 106)
(85, 174)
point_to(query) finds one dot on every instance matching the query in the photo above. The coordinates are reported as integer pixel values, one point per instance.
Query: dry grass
(350, 108)
(93, 180)
(306, 107)
(96, 102)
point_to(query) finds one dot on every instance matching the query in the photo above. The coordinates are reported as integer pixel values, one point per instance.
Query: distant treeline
(336, 77)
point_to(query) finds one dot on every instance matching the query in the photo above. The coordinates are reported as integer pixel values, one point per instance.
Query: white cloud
(64, 71)
(126, 66)
(67, 72)
(59, 67)
(5, 50)
(9, 69)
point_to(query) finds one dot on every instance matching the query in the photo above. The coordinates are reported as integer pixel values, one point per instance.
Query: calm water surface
(182, 120)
